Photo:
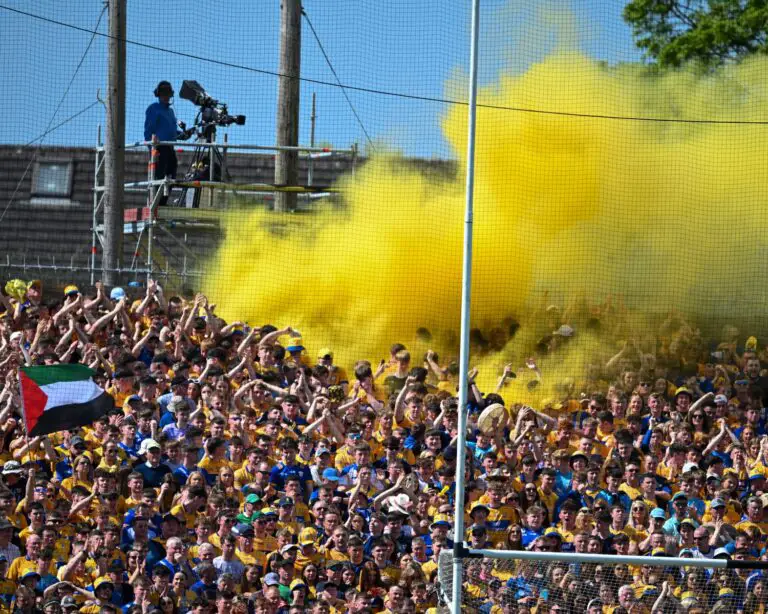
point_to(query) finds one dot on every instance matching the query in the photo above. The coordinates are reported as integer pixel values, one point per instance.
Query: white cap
(147, 444)
(564, 331)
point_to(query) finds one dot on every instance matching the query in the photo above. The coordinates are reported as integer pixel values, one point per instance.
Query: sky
(419, 48)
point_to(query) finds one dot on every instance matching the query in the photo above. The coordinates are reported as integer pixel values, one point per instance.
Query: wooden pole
(114, 151)
(286, 162)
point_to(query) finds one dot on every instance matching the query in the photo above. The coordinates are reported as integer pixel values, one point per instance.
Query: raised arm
(436, 368)
(148, 298)
(66, 338)
(399, 411)
(98, 299)
(270, 338)
(336, 429)
(382, 496)
(245, 343)
(106, 318)
(69, 307)
(506, 374)
(701, 401)
(139, 345)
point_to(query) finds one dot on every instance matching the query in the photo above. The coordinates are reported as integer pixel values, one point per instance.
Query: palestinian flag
(61, 397)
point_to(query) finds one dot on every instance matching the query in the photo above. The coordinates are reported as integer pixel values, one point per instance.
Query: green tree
(708, 32)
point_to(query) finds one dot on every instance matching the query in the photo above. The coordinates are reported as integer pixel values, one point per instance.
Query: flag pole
(21, 396)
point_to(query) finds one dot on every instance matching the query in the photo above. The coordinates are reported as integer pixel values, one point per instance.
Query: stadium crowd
(238, 473)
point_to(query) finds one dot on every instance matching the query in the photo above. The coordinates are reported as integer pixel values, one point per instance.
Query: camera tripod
(199, 168)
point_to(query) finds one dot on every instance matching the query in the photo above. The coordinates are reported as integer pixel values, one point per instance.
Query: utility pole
(286, 162)
(114, 150)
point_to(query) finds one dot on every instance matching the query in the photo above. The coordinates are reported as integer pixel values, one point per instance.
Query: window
(52, 179)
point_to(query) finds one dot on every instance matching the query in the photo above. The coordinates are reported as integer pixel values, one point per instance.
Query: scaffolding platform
(167, 239)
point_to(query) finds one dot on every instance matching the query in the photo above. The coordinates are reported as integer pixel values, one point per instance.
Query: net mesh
(499, 585)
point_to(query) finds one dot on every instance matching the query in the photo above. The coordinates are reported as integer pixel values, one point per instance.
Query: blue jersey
(530, 535)
(619, 498)
(280, 472)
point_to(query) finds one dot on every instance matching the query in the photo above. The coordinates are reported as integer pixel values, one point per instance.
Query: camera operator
(160, 120)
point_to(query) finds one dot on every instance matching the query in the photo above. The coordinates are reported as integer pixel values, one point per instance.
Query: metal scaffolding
(155, 230)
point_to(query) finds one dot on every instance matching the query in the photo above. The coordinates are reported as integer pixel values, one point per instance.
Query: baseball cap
(331, 474)
(71, 290)
(307, 536)
(271, 579)
(117, 293)
(147, 445)
(69, 602)
(242, 530)
(564, 331)
(12, 467)
(320, 451)
(288, 548)
(176, 403)
(253, 498)
(721, 399)
(657, 512)
(295, 345)
(680, 495)
(579, 455)
(478, 506)
(285, 502)
(717, 502)
(722, 552)
(296, 584)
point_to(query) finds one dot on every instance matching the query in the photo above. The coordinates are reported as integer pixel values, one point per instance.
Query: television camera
(212, 112)
(211, 115)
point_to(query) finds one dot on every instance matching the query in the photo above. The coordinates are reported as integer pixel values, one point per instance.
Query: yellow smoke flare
(666, 215)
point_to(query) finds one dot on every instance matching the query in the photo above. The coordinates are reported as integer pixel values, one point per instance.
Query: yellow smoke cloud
(663, 214)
